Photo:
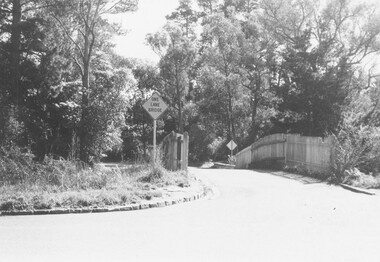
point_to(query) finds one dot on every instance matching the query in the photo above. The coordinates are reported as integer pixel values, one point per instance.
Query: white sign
(155, 106)
(231, 145)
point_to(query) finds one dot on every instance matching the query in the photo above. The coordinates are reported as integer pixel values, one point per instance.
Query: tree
(222, 56)
(227, 7)
(186, 17)
(20, 21)
(177, 55)
(257, 57)
(84, 27)
(318, 52)
(208, 6)
(138, 132)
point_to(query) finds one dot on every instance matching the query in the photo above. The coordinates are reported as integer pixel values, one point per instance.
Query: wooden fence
(314, 153)
(175, 150)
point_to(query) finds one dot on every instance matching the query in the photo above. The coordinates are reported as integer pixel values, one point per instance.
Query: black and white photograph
(190, 130)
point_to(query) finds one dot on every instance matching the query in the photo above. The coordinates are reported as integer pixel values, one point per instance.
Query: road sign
(231, 145)
(155, 106)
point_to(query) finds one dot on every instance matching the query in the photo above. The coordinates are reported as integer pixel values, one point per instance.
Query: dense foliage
(229, 69)
(63, 91)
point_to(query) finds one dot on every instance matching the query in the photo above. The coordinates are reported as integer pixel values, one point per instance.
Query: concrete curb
(207, 192)
(357, 190)
(305, 178)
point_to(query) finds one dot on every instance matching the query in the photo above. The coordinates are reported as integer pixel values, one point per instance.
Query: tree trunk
(13, 90)
(230, 110)
(180, 116)
(15, 48)
(84, 136)
(254, 104)
(179, 97)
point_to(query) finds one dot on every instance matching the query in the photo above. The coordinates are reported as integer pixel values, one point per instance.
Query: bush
(357, 146)
(158, 174)
(218, 149)
(231, 160)
(356, 178)
(16, 165)
(156, 168)
(302, 169)
(200, 148)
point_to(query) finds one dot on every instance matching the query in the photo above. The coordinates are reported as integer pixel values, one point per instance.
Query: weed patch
(29, 185)
(303, 170)
(355, 177)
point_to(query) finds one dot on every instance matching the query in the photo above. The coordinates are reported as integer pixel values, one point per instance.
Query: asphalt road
(252, 217)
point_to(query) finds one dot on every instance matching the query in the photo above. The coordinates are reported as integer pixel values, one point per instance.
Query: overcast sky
(149, 18)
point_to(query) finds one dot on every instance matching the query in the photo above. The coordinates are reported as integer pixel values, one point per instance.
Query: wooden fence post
(173, 145)
(332, 152)
(185, 151)
(285, 149)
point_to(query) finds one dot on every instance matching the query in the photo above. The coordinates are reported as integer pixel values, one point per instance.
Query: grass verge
(27, 185)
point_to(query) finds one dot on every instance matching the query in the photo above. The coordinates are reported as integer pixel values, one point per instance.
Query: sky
(149, 18)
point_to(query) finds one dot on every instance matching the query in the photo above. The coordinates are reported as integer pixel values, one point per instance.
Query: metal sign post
(154, 140)
(155, 107)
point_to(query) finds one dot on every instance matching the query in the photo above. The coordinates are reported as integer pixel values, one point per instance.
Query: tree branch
(5, 10)
(26, 2)
(112, 7)
(79, 66)
(38, 7)
(68, 35)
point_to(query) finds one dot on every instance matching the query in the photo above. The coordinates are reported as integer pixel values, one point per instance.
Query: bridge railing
(314, 153)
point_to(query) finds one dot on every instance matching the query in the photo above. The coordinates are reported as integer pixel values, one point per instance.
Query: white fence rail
(314, 153)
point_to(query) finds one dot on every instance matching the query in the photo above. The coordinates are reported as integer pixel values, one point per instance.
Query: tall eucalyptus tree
(85, 25)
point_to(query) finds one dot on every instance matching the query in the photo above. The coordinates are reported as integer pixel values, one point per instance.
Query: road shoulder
(172, 195)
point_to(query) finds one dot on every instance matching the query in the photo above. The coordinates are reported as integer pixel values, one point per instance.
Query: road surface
(254, 216)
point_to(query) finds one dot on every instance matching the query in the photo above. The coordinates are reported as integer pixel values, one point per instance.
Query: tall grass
(156, 173)
(26, 184)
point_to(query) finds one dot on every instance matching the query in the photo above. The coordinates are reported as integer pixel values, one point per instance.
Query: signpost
(155, 107)
(231, 145)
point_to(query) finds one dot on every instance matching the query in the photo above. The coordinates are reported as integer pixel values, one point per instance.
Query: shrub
(14, 203)
(218, 148)
(302, 169)
(201, 144)
(156, 168)
(357, 178)
(231, 160)
(357, 146)
(16, 165)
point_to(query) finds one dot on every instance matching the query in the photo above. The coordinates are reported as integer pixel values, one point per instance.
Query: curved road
(252, 217)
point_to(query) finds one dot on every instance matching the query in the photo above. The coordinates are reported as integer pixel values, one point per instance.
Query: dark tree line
(63, 90)
(229, 69)
(252, 68)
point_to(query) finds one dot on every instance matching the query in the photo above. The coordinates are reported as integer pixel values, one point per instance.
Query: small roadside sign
(231, 145)
(155, 106)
